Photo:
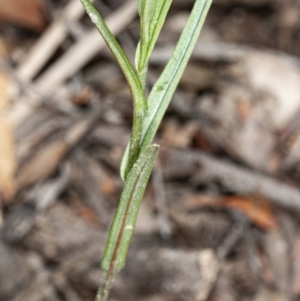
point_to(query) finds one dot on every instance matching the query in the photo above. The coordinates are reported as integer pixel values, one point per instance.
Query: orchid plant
(140, 154)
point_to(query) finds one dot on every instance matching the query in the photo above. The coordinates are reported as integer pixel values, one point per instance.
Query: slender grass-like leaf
(147, 9)
(158, 12)
(165, 86)
(125, 218)
(153, 14)
(139, 157)
(139, 100)
(158, 19)
(140, 5)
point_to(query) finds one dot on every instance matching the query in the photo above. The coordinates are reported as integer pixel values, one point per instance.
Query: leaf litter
(228, 168)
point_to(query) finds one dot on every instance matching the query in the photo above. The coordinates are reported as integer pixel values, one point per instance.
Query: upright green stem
(138, 96)
(121, 230)
(104, 288)
(140, 156)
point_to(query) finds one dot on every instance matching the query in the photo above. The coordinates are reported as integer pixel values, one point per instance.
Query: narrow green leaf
(139, 99)
(158, 19)
(147, 9)
(124, 221)
(140, 6)
(153, 14)
(165, 86)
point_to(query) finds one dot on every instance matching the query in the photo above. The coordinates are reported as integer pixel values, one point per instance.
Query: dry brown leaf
(46, 161)
(42, 165)
(7, 161)
(202, 141)
(258, 211)
(7, 145)
(4, 48)
(83, 211)
(104, 182)
(5, 88)
(25, 13)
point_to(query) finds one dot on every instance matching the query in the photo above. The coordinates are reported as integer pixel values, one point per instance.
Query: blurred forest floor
(220, 218)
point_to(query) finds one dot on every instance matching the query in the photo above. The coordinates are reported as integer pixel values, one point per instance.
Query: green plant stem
(152, 14)
(166, 85)
(124, 221)
(105, 286)
(163, 90)
(146, 14)
(121, 230)
(140, 156)
(138, 96)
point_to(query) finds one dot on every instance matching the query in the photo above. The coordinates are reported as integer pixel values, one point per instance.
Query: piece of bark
(237, 179)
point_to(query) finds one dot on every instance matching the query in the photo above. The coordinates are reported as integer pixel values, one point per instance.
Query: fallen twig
(49, 42)
(71, 62)
(238, 179)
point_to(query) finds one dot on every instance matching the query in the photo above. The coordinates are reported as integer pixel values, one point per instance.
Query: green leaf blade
(146, 11)
(161, 10)
(139, 99)
(166, 85)
(153, 14)
(140, 6)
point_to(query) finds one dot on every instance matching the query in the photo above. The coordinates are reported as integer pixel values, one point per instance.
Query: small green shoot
(139, 99)
(152, 14)
(140, 155)
(163, 90)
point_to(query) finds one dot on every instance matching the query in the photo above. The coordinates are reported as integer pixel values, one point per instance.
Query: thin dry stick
(51, 156)
(49, 42)
(238, 179)
(72, 61)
